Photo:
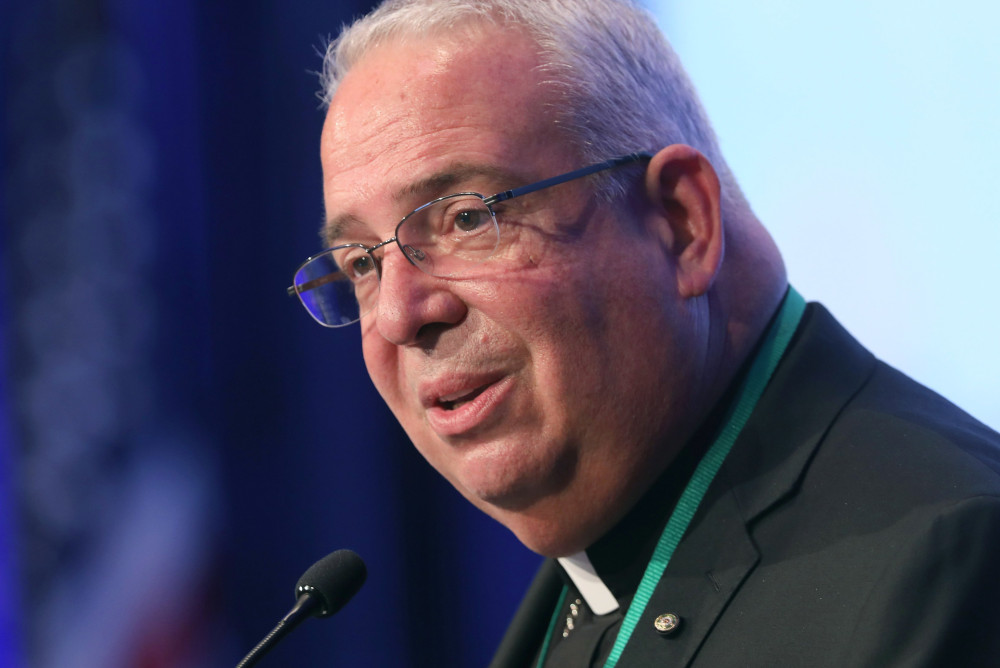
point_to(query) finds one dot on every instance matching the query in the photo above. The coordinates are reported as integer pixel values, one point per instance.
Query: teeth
(453, 401)
(452, 398)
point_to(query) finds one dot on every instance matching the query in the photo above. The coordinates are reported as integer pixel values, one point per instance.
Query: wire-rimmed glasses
(445, 237)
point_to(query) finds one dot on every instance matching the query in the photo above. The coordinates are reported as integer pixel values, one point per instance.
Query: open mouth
(450, 404)
(462, 406)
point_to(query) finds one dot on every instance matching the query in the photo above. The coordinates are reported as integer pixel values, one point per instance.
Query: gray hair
(620, 86)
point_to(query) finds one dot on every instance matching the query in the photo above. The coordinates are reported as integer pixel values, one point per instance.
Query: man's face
(542, 385)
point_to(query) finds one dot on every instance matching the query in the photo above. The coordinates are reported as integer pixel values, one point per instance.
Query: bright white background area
(866, 135)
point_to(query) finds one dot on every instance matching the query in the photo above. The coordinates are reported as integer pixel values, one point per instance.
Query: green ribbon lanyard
(771, 351)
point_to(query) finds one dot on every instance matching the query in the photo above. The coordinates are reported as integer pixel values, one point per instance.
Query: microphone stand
(306, 606)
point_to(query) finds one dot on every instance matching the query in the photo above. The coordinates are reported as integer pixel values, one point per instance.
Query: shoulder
(882, 425)
(907, 446)
(896, 418)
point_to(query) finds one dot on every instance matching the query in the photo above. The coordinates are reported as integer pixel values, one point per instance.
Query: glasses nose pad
(415, 254)
(418, 257)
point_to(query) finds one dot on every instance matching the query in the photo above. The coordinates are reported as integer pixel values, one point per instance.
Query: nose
(411, 302)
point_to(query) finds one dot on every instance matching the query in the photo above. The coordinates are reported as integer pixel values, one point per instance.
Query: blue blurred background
(178, 441)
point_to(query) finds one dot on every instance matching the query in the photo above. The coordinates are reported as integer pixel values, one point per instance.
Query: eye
(362, 265)
(355, 263)
(454, 219)
(470, 219)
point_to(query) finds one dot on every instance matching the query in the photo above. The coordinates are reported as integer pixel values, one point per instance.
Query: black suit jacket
(856, 522)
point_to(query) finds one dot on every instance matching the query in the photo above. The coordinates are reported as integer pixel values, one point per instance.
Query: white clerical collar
(599, 598)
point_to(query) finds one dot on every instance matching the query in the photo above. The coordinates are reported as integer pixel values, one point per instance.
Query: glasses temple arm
(569, 176)
(314, 283)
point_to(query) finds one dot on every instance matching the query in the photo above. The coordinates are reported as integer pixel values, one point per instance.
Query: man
(580, 323)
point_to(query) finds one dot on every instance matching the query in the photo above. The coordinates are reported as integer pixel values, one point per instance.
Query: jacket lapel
(821, 371)
(707, 567)
(524, 635)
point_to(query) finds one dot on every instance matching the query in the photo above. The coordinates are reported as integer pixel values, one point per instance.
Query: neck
(745, 295)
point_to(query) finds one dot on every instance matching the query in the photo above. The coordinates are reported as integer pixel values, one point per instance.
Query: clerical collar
(599, 598)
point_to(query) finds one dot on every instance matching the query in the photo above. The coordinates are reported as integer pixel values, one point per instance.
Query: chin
(499, 493)
(545, 536)
(547, 525)
(500, 476)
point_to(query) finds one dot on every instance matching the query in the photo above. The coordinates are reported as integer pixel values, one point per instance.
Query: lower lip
(471, 415)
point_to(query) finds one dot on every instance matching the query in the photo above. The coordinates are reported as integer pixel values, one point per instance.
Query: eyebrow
(438, 184)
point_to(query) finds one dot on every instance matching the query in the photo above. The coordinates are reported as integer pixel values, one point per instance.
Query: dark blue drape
(183, 440)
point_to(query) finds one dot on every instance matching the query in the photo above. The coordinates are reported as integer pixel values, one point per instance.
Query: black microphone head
(335, 579)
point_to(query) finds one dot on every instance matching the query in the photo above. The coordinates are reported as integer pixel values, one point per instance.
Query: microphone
(321, 591)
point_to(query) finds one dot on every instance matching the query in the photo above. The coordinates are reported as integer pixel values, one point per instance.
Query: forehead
(414, 108)
(421, 83)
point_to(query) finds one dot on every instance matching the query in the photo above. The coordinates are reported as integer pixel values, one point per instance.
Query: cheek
(383, 368)
(565, 333)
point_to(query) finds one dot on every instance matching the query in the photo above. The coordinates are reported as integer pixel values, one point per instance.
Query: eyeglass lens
(443, 238)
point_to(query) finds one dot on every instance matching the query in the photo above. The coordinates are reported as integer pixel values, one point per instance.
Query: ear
(683, 190)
